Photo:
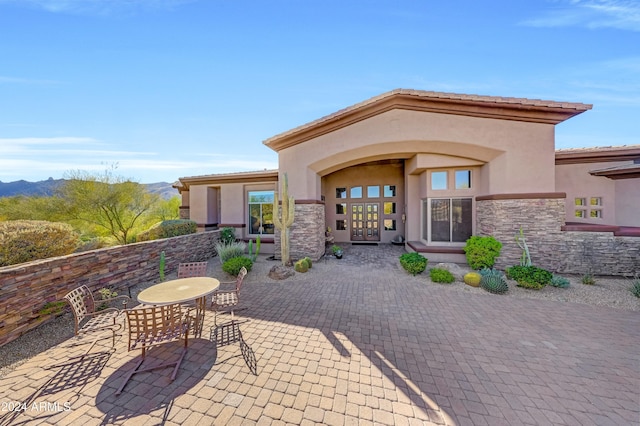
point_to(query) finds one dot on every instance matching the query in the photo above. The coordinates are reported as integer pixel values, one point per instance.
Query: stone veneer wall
(541, 220)
(306, 235)
(25, 288)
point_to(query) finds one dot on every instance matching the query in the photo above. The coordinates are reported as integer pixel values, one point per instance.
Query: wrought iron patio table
(180, 291)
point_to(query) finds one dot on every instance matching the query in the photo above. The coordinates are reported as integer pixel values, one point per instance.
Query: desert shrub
(529, 276)
(230, 250)
(588, 279)
(438, 275)
(308, 261)
(227, 235)
(558, 281)
(490, 272)
(413, 262)
(482, 252)
(168, 229)
(233, 265)
(26, 240)
(635, 287)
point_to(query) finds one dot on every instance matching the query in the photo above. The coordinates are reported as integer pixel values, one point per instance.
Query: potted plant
(337, 251)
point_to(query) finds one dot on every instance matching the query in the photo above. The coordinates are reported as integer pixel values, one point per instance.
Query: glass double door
(365, 222)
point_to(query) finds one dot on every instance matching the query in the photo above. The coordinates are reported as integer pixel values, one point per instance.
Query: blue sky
(172, 88)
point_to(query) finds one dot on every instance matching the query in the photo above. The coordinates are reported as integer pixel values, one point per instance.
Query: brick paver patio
(357, 343)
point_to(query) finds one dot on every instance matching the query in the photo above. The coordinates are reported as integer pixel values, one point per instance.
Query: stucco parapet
(507, 108)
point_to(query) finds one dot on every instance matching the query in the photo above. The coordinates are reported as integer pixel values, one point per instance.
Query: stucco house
(436, 168)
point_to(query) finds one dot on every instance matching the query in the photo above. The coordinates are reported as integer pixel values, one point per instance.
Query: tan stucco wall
(576, 182)
(517, 151)
(628, 202)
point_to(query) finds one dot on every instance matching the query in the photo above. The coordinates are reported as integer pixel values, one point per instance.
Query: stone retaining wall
(572, 252)
(25, 288)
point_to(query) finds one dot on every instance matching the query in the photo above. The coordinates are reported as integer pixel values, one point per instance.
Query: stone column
(306, 235)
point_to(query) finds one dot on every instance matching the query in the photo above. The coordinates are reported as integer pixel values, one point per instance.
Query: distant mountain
(46, 188)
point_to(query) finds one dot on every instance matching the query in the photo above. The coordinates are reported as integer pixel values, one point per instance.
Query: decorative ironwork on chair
(222, 299)
(192, 269)
(154, 326)
(188, 270)
(87, 319)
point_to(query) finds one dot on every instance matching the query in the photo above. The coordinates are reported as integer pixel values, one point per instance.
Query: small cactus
(472, 279)
(495, 284)
(301, 266)
(308, 261)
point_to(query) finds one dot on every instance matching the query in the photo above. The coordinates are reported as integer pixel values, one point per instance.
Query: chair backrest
(155, 325)
(82, 302)
(192, 269)
(240, 278)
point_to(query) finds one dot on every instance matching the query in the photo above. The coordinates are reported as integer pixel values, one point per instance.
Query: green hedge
(167, 229)
(26, 240)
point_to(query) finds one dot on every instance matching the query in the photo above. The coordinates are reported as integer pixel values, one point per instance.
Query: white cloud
(40, 158)
(620, 14)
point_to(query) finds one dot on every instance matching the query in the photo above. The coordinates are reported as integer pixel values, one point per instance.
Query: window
(341, 208)
(389, 190)
(447, 220)
(341, 192)
(463, 179)
(341, 225)
(438, 180)
(389, 208)
(389, 224)
(356, 192)
(260, 212)
(373, 191)
(592, 210)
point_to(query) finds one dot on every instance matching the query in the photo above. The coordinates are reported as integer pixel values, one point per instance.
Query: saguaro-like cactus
(283, 219)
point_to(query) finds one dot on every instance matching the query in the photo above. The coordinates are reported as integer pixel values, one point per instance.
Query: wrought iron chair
(223, 299)
(154, 326)
(188, 270)
(192, 269)
(90, 320)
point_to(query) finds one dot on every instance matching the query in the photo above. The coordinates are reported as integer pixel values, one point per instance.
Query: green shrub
(635, 287)
(168, 229)
(308, 261)
(233, 265)
(530, 277)
(230, 250)
(482, 252)
(438, 275)
(26, 240)
(529, 284)
(301, 266)
(558, 281)
(413, 262)
(227, 235)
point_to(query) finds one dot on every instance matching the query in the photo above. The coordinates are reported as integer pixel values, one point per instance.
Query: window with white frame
(260, 212)
(588, 207)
